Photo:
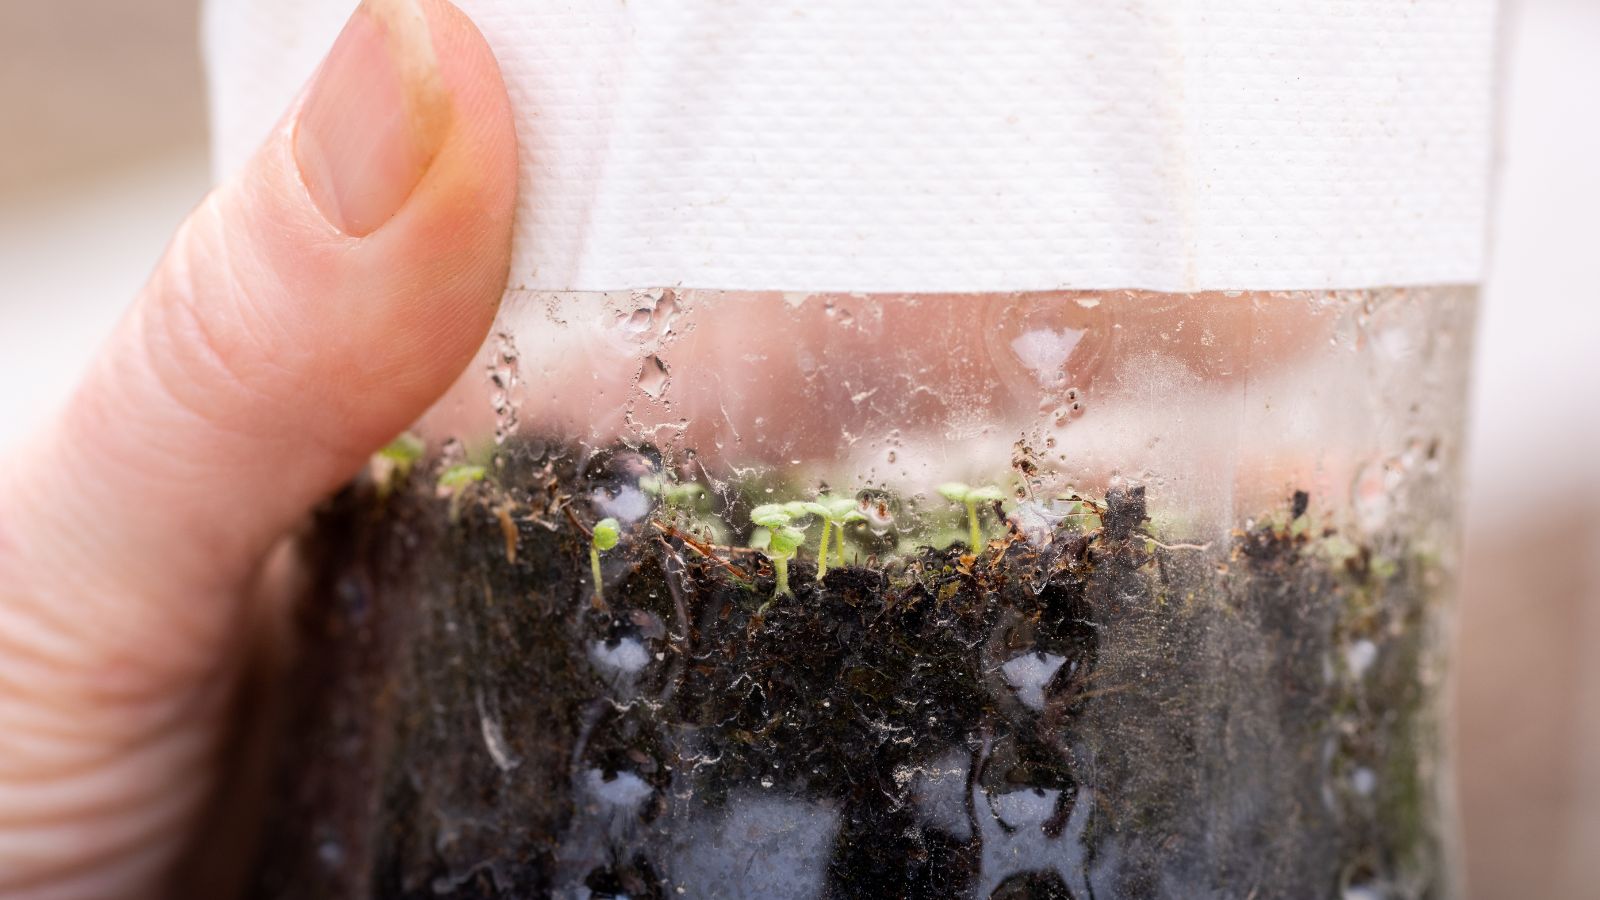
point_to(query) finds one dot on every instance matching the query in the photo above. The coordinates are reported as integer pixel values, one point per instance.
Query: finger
(308, 310)
(304, 314)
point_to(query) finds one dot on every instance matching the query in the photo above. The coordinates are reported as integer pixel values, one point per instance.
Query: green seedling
(835, 512)
(454, 482)
(404, 450)
(777, 537)
(605, 536)
(393, 463)
(459, 476)
(687, 503)
(970, 497)
(671, 493)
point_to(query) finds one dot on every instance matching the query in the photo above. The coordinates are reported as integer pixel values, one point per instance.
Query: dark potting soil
(1103, 716)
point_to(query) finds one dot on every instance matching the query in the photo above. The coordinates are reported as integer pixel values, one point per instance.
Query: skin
(291, 330)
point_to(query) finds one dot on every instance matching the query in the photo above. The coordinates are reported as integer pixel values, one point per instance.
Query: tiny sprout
(778, 539)
(459, 476)
(970, 497)
(605, 536)
(673, 494)
(406, 449)
(454, 481)
(394, 462)
(833, 511)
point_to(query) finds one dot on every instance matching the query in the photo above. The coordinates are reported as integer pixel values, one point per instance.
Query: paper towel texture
(853, 145)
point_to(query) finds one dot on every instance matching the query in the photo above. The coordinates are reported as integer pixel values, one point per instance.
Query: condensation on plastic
(1219, 403)
(1268, 673)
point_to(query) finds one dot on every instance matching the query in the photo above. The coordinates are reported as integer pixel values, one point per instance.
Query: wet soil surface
(1100, 716)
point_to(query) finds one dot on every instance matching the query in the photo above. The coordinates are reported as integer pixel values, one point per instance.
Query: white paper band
(870, 145)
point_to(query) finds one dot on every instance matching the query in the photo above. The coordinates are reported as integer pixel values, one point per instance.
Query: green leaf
(761, 539)
(854, 515)
(818, 509)
(1339, 549)
(786, 541)
(955, 491)
(839, 507)
(606, 533)
(797, 508)
(684, 494)
(771, 515)
(671, 492)
(987, 492)
(459, 476)
(407, 448)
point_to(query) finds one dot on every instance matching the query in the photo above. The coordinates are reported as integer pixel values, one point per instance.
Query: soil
(1103, 716)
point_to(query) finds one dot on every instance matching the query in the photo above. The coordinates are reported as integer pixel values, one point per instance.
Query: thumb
(306, 312)
(309, 310)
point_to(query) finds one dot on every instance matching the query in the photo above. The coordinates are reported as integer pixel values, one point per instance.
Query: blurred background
(102, 109)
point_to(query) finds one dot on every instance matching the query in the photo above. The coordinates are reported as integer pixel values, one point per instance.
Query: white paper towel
(871, 145)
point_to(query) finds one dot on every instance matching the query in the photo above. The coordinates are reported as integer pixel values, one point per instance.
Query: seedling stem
(606, 534)
(970, 497)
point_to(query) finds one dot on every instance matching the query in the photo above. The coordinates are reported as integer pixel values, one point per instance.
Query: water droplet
(1363, 780)
(1029, 674)
(1363, 892)
(1359, 657)
(667, 308)
(623, 790)
(652, 315)
(653, 377)
(505, 380)
(1044, 352)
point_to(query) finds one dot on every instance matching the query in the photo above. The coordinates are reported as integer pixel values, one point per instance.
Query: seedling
(970, 497)
(834, 512)
(455, 480)
(673, 494)
(687, 503)
(777, 537)
(394, 462)
(407, 448)
(605, 535)
(461, 475)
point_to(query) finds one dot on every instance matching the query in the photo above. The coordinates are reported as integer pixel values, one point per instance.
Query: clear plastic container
(1125, 594)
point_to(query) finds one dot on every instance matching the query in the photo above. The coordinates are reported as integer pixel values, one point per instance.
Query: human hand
(306, 312)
